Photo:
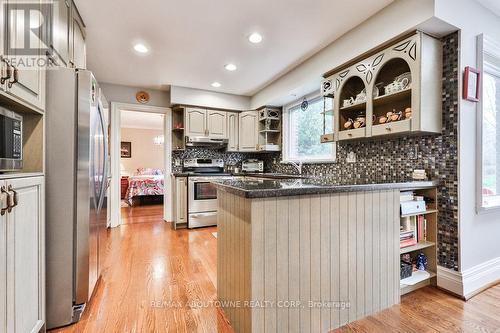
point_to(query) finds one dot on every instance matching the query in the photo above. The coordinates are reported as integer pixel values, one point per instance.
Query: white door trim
(115, 137)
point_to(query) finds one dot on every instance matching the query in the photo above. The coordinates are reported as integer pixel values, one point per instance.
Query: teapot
(360, 122)
(349, 102)
(395, 116)
(408, 113)
(348, 124)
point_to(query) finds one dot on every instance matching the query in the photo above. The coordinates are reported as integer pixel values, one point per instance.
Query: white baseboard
(480, 276)
(450, 280)
(471, 281)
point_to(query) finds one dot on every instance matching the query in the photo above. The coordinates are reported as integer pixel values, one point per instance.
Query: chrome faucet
(297, 166)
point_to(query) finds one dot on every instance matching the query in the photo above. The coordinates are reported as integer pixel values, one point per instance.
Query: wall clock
(142, 97)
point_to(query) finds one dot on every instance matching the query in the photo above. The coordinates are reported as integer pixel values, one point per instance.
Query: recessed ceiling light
(216, 84)
(230, 67)
(141, 48)
(255, 38)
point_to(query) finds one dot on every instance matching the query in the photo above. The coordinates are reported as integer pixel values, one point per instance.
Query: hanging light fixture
(159, 140)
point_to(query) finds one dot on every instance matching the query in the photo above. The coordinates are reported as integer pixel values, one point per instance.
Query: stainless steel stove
(202, 193)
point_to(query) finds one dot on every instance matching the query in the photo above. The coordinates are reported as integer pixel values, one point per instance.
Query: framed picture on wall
(472, 78)
(126, 149)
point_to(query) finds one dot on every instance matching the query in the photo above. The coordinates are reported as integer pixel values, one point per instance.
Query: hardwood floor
(152, 274)
(431, 310)
(142, 214)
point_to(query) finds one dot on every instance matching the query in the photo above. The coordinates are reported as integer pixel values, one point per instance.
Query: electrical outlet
(351, 157)
(413, 153)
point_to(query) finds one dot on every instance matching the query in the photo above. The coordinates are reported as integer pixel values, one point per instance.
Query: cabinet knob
(349, 134)
(388, 129)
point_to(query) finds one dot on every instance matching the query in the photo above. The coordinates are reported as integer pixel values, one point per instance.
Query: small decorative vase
(421, 262)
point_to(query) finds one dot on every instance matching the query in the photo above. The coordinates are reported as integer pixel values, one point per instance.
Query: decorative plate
(142, 97)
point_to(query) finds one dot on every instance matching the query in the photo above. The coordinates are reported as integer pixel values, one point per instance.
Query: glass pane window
(491, 139)
(204, 191)
(304, 130)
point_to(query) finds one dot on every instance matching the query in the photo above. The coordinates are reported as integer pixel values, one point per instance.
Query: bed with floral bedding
(146, 182)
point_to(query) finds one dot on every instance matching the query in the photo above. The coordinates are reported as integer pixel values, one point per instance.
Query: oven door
(202, 195)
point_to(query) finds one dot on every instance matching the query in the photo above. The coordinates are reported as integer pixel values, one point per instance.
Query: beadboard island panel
(308, 263)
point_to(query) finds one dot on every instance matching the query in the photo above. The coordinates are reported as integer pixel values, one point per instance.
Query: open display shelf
(426, 246)
(405, 76)
(269, 129)
(178, 141)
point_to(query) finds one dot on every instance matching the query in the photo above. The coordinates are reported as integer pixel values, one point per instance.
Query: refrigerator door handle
(104, 181)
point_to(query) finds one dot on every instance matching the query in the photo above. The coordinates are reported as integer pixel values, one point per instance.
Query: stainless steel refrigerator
(76, 185)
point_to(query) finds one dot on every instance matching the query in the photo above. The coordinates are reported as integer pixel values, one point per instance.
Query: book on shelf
(412, 207)
(413, 229)
(406, 196)
(407, 243)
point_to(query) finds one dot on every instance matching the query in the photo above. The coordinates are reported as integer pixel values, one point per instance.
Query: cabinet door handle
(15, 78)
(15, 198)
(6, 73)
(5, 209)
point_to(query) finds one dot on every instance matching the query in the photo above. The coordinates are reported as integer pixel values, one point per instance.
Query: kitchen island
(307, 255)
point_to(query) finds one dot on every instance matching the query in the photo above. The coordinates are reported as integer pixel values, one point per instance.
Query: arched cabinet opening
(352, 99)
(392, 93)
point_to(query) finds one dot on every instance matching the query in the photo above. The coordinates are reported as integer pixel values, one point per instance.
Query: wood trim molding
(370, 52)
(472, 281)
(115, 137)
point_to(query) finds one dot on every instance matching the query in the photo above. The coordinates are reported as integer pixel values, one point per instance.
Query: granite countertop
(264, 188)
(180, 174)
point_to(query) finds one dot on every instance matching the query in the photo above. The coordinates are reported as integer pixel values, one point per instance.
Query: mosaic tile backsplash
(392, 159)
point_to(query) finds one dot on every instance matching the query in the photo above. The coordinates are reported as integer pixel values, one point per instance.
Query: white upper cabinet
(61, 28)
(232, 131)
(216, 124)
(77, 43)
(207, 123)
(196, 122)
(394, 91)
(68, 48)
(25, 85)
(249, 131)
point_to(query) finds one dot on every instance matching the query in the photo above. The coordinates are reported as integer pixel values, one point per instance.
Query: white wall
(145, 154)
(479, 234)
(126, 94)
(395, 19)
(209, 99)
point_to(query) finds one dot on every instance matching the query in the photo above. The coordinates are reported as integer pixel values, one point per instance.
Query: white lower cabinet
(180, 201)
(22, 256)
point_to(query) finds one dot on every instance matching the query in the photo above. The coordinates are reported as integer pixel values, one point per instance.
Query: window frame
(489, 47)
(286, 135)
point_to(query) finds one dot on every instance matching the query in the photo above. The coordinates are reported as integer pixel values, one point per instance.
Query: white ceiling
(493, 5)
(142, 120)
(192, 40)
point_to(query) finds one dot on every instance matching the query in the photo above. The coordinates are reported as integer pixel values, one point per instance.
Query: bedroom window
(302, 132)
(489, 127)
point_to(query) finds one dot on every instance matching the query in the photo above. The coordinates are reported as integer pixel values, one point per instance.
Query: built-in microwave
(11, 140)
